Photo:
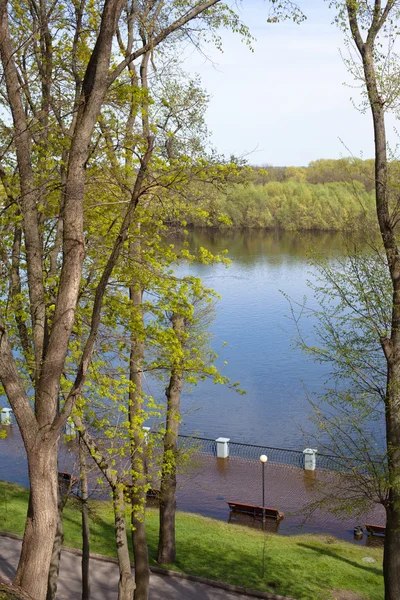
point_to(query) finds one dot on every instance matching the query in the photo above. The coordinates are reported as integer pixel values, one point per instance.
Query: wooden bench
(256, 511)
(375, 529)
(153, 494)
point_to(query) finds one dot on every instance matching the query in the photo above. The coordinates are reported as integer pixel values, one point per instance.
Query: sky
(292, 100)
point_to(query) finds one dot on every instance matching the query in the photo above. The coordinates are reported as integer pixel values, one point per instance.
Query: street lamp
(263, 460)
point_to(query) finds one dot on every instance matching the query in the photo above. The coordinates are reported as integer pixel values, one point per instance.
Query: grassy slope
(304, 567)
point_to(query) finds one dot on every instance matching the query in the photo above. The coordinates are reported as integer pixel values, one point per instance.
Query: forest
(328, 195)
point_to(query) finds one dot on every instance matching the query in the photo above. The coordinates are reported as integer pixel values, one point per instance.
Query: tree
(372, 25)
(353, 313)
(126, 584)
(146, 258)
(59, 64)
(166, 543)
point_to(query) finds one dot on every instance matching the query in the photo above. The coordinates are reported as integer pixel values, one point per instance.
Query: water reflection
(254, 318)
(248, 247)
(270, 525)
(375, 541)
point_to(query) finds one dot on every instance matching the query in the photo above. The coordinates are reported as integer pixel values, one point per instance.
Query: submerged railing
(282, 456)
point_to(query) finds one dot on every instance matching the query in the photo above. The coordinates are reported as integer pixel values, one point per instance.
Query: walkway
(104, 579)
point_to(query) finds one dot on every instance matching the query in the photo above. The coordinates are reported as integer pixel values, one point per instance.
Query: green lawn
(305, 567)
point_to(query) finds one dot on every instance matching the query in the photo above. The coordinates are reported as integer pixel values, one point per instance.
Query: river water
(254, 318)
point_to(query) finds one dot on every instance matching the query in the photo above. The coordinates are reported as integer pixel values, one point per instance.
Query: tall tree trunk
(390, 345)
(64, 489)
(49, 359)
(139, 543)
(138, 446)
(166, 544)
(126, 584)
(85, 522)
(55, 557)
(391, 561)
(391, 556)
(41, 521)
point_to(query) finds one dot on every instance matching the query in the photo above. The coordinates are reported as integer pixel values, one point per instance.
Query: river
(253, 317)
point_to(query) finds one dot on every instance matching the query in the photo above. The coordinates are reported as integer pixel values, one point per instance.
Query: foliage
(296, 205)
(352, 323)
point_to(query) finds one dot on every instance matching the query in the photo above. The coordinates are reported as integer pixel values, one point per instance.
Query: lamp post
(263, 460)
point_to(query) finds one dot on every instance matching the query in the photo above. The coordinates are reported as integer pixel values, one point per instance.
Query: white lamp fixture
(263, 458)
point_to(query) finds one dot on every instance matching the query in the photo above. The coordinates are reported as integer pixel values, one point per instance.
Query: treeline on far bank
(326, 195)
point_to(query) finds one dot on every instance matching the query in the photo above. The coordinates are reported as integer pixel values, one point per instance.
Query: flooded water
(254, 318)
(254, 332)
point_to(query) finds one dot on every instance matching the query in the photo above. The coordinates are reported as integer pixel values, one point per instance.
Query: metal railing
(282, 456)
(197, 444)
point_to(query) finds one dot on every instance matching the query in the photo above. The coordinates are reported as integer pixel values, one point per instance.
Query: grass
(305, 567)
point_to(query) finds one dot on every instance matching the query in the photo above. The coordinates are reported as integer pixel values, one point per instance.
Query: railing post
(70, 427)
(6, 416)
(310, 459)
(146, 431)
(222, 447)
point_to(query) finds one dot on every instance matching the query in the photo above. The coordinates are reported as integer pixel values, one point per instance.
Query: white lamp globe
(263, 458)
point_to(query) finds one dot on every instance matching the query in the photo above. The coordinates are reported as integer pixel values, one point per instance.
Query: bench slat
(375, 529)
(256, 511)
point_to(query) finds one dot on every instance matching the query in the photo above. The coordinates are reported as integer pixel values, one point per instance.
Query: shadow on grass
(336, 556)
(227, 553)
(242, 567)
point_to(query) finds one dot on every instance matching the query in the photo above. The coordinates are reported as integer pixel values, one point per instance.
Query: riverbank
(206, 484)
(305, 567)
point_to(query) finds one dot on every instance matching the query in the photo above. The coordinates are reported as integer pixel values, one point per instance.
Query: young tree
(353, 313)
(166, 543)
(126, 584)
(372, 24)
(84, 499)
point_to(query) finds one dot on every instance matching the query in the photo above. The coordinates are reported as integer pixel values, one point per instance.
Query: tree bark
(64, 488)
(166, 545)
(126, 584)
(41, 522)
(85, 523)
(139, 543)
(138, 446)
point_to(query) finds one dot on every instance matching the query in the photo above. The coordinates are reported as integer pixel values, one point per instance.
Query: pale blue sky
(286, 103)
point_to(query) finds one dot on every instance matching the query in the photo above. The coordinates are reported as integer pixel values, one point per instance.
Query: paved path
(104, 579)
